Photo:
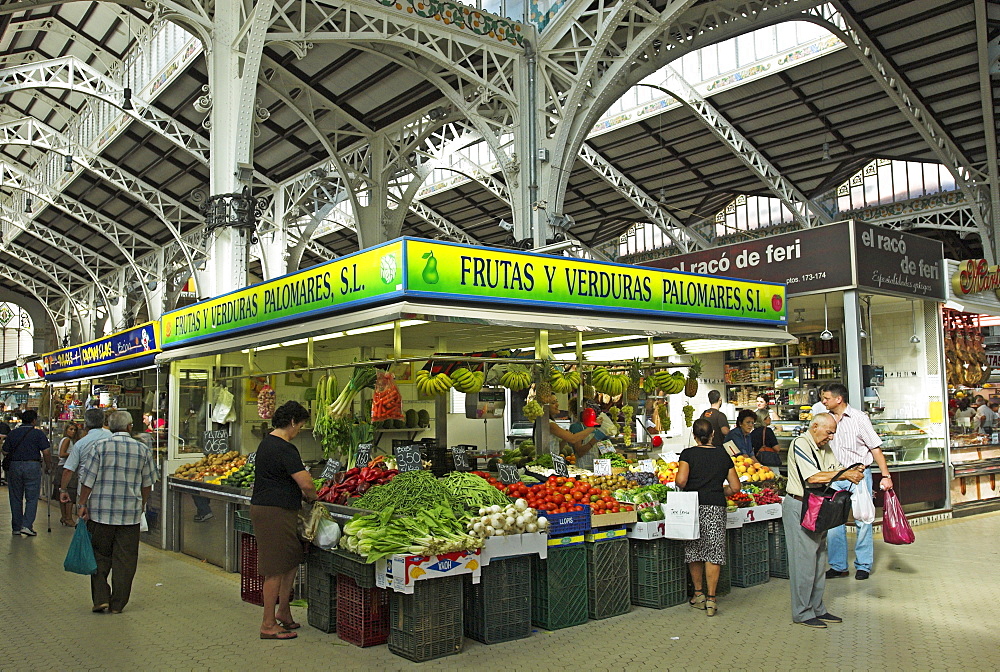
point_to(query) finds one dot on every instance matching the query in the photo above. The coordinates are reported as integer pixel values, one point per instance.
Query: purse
(824, 508)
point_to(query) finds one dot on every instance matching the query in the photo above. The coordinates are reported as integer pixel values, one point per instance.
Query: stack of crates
(321, 591)
(607, 573)
(748, 555)
(559, 587)
(251, 583)
(658, 573)
(498, 608)
(427, 624)
(777, 550)
(362, 609)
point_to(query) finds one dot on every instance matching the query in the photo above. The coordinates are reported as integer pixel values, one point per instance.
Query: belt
(25, 460)
(795, 497)
(766, 449)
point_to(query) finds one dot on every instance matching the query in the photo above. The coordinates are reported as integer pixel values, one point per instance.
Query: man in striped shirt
(116, 477)
(855, 441)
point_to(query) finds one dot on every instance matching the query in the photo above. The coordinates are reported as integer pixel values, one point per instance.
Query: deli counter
(975, 464)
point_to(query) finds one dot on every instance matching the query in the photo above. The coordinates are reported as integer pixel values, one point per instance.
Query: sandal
(67, 523)
(281, 634)
(710, 605)
(289, 625)
(698, 601)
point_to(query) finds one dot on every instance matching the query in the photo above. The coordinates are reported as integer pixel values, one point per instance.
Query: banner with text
(121, 351)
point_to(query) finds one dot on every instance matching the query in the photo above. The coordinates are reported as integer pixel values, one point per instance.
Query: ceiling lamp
(68, 164)
(27, 206)
(914, 339)
(826, 335)
(798, 315)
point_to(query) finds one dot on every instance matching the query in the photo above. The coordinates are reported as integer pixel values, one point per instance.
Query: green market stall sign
(415, 268)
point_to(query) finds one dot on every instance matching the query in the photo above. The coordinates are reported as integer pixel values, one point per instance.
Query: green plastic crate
(354, 566)
(658, 574)
(777, 550)
(559, 588)
(748, 555)
(242, 522)
(428, 623)
(498, 608)
(607, 573)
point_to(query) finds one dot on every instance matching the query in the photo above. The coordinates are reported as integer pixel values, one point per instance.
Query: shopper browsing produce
(281, 483)
(704, 468)
(765, 443)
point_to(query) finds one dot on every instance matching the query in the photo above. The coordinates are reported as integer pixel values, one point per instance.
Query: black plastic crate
(354, 566)
(559, 588)
(321, 593)
(748, 555)
(607, 573)
(242, 522)
(318, 560)
(498, 608)
(658, 574)
(427, 624)
(777, 550)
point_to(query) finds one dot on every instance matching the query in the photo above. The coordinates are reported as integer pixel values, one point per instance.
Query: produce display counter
(213, 538)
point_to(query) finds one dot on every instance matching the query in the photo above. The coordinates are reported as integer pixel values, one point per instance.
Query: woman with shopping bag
(709, 471)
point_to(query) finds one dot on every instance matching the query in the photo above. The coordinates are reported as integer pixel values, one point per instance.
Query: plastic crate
(362, 613)
(427, 624)
(498, 608)
(251, 583)
(748, 555)
(777, 550)
(725, 584)
(658, 574)
(353, 565)
(242, 522)
(318, 560)
(574, 522)
(559, 588)
(321, 593)
(607, 572)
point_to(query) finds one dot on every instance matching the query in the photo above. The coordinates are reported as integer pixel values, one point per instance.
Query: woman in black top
(765, 443)
(281, 482)
(703, 469)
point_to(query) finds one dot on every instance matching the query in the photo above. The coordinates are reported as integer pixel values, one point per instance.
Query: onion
(483, 512)
(478, 527)
(543, 523)
(521, 505)
(495, 509)
(520, 521)
(490, 531)
(510, 521)
(531, 527)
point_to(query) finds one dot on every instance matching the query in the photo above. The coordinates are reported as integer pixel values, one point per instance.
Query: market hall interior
(928, 606)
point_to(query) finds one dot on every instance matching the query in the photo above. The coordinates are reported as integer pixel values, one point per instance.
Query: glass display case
(904, 442)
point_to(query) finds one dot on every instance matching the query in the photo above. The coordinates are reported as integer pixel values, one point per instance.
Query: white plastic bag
(143, 525)
(223, 408)
(327, 534)
(862, 502)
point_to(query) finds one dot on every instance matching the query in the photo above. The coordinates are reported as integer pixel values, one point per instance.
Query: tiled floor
(932, 605)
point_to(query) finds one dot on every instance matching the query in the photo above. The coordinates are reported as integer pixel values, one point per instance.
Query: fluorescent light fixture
(383, 327)
(299, 341)
(631, 352)
(703, 345)
(325, 337)
(595, 341)
(268, 347)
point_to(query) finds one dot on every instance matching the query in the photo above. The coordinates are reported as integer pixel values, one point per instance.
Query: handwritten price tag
(508, 474)
(252, 458)
(215, 442)
(460, 458)
(605, 447)
(364, 454)
(602, 467)
(408, 458)
(331, 469)
(559, 465)
(647, 466)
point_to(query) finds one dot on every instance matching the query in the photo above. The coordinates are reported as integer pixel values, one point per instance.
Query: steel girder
(45, 294)
(683, 235)
(989, 118)
(71, 74)
(426, 213)
(839, 20)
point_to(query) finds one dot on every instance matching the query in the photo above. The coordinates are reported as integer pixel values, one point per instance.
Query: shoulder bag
(824, 508)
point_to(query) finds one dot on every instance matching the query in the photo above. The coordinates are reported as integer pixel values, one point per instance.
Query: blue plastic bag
(80, 557)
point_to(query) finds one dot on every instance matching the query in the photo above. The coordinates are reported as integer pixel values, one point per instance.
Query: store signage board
(215, 442)
(559, 465)
(26, 373)
(121, 351)
(364, 454)
(842, 255)
(974, 276)
(408, 458)
(462, 272)
(604, 447)
(508, 474)
(331, 469)
(602, 467)
(460, 458)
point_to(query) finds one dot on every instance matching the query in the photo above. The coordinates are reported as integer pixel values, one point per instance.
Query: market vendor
(741, 434)
(582, 441)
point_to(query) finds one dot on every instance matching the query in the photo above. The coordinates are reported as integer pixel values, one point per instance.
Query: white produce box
(529, 543)
(400, 572)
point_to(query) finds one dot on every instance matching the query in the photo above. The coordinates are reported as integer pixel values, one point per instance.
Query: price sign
(508, 474)
(602, 467)
(364, 454)
(408, 458)
(252, 458)
(332, 467)
(605, 447)
(215, 442)
(460, 458)
(559, 465)
(647, 466)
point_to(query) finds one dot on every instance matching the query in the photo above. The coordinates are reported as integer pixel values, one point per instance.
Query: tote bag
(824, 508)
(680, 516)
(80, 557)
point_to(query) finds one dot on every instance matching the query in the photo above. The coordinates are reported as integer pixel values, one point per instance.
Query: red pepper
(354, 471)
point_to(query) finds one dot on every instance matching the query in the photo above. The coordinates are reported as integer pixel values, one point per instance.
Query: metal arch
(986, 51)
(31, 132)
(48, 269)
(71, 74)
(807, 213)
(192, 12)
(679, 232)
(50, 24)
(839, 20)
(439, 222)
(93, 219)
(40, 291)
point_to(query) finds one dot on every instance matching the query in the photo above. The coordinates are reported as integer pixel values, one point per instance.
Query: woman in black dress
(709, 471)
(281, 482)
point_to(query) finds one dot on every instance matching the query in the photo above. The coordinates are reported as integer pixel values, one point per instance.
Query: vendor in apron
(581, 437)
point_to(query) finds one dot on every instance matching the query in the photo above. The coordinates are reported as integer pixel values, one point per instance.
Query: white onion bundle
(516, 518)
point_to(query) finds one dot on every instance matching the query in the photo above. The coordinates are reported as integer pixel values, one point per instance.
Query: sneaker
(836, 573)
(813, 623)
(861, 575)
(830, 618)
(203, 518)
(28, 532)
(16, 533)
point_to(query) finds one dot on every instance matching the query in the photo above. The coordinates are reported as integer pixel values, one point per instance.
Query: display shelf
(827, 355)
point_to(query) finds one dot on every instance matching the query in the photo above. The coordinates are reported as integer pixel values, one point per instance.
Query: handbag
(895, 527)
(80, 556)
(824, 508)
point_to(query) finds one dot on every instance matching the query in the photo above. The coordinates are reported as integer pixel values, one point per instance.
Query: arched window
(17, 332)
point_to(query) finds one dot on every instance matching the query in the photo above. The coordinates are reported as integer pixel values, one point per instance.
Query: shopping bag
(680, 516)
(895, 527)
(862, 503)
(143, 524)
(327, 534)
(824, 509)
(311, 521)
(80, 557)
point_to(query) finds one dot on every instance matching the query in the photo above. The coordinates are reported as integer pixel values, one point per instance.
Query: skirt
(278, 547)
(711, 545)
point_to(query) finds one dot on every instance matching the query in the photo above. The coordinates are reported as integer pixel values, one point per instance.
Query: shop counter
(975, 475)
(202, 519)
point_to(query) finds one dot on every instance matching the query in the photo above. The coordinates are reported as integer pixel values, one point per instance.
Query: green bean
(468, 491)
(408, 493)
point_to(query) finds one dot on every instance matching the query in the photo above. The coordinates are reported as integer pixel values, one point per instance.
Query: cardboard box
(756, 514)
(400, 572)
(568, 540)
(531, 543)
(608, 534)
(735, 518)
(652, 530)
(612, 519)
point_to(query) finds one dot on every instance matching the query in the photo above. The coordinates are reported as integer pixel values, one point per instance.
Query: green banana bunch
(608, 383)
(467, 381)
(670, 383)
(565, 382)
(516, 377)
(430, 385)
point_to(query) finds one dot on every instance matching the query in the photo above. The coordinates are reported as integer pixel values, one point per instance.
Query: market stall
(113, 373)
(866, 316)
(22, 385)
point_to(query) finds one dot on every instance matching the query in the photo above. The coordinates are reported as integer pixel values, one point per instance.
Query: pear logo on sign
(430, 273)
(387, 268)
